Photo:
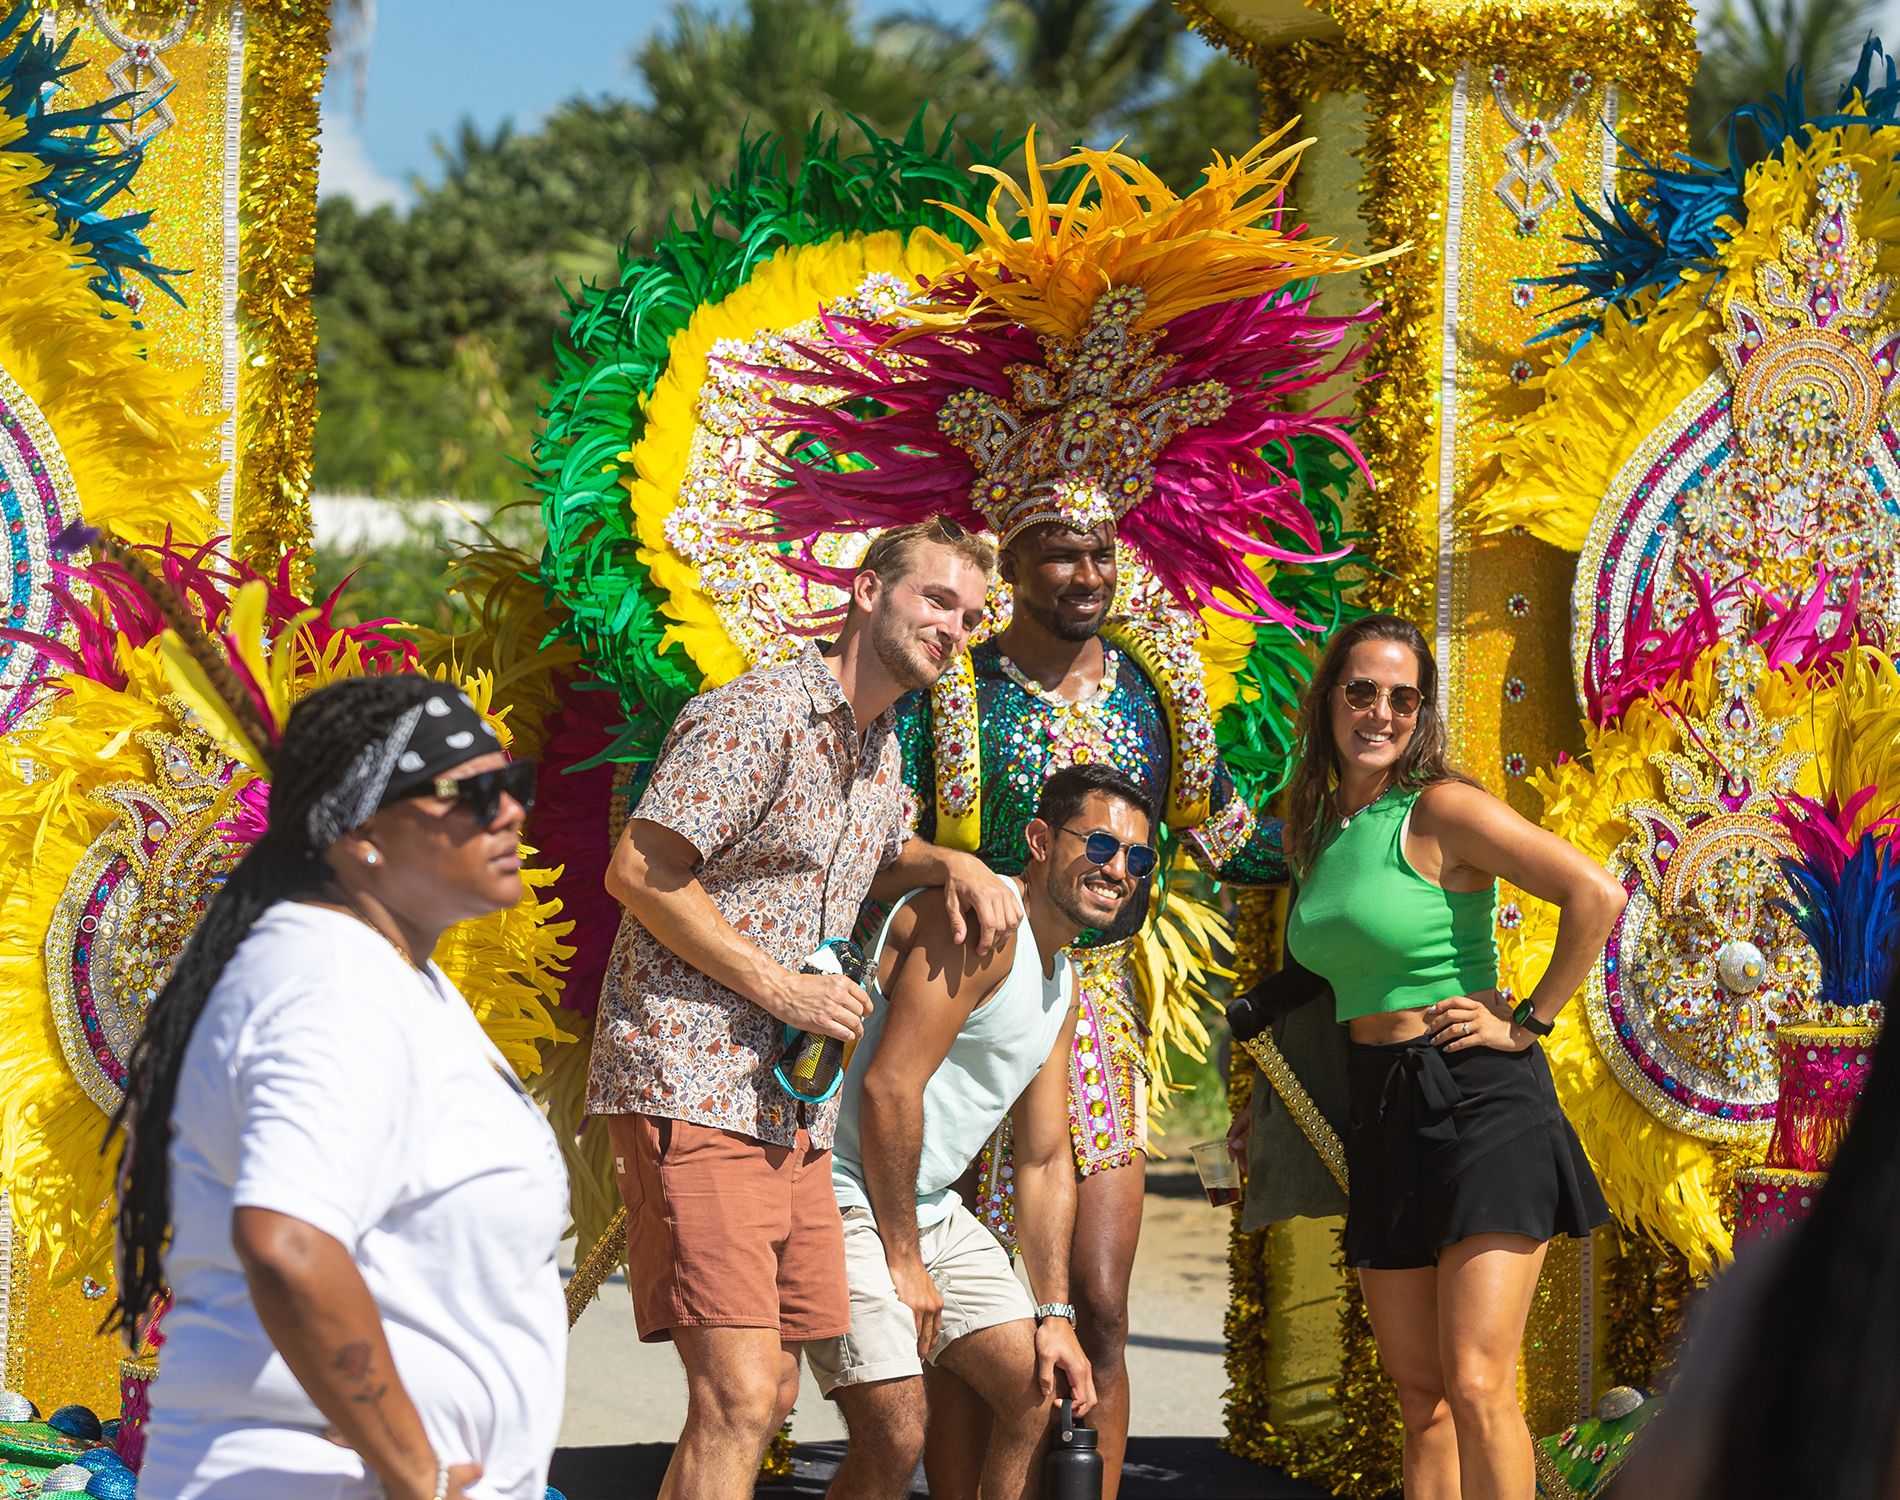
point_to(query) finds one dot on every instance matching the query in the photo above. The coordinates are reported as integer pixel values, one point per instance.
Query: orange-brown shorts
(727, 1232)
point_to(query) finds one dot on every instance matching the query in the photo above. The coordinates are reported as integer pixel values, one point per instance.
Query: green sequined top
(1013, 733)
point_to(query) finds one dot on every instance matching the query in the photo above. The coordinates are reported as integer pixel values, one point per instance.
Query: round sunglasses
(1362, 693)
(1101, 848)
(481, 793)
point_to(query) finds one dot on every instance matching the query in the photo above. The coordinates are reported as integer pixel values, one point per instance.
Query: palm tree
(1749, 48)
(1074, 68)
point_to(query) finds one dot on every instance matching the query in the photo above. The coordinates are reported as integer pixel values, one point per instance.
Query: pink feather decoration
(1822, 829)
(1790, 634)
(1652, 653)
(568, 829)
(1222, 492)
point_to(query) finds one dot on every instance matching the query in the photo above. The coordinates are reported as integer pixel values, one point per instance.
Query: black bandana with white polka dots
(434, 737)
(448, 732)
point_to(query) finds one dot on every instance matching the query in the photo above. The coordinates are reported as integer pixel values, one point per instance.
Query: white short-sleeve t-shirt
(329, 1080)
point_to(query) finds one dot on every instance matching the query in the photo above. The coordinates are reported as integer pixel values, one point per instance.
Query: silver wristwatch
(1056, 1310)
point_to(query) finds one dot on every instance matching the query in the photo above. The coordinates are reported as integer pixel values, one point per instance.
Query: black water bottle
(1072, 1468)
(811, 1067)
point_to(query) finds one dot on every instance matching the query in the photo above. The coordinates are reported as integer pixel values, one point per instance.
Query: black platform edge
(1158, 1468)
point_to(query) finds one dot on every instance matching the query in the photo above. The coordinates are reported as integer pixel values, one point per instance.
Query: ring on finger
(1467, 1029)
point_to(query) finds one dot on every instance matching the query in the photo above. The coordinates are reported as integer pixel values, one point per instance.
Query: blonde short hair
(893, 554)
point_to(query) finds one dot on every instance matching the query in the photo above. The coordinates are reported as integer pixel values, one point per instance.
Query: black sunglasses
(481, 793)
(1362, 692)
(1100, 848)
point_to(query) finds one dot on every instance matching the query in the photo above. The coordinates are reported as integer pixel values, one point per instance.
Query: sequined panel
(131, 903)
(37, 502)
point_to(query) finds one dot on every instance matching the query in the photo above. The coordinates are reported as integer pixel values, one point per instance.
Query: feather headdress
(1123, 354)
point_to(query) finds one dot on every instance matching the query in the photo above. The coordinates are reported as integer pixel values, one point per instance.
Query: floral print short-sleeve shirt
(792, 817)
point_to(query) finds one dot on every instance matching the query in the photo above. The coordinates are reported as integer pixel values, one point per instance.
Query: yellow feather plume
(1861, 736)
(1047, 265)
(507, 965)
(1551, 474)
(1180, 951)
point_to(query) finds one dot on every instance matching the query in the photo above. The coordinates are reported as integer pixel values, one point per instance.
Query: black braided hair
(325, 733)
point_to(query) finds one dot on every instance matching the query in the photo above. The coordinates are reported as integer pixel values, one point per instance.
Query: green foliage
(439, 325)
(616, 349)
(400, 580)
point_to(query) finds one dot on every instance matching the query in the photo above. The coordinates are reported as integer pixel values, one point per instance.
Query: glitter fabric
(233, 185)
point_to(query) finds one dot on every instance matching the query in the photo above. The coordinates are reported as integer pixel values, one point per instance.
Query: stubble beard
(900, 654)
(1067, 899)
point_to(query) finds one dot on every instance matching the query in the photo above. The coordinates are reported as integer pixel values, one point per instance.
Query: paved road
(621, 1391)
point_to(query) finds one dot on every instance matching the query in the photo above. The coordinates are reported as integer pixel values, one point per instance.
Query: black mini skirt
(1444, 1145)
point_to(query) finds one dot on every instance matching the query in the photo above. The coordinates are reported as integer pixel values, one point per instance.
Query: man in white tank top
(957, 1041)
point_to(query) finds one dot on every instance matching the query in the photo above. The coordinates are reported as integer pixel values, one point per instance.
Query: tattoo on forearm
(356, 1364)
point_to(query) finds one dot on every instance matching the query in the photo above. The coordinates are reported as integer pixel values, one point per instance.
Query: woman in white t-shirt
(363, 1207)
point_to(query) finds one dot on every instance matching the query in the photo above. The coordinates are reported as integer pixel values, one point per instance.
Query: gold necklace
(351, 907)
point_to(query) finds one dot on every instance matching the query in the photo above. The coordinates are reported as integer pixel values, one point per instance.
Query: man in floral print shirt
(776, 807)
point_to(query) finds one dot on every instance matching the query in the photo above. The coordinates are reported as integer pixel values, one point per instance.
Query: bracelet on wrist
(1064, 1310)
(441, 1491)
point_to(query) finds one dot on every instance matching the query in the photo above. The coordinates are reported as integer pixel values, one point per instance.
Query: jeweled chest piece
(1741, 967)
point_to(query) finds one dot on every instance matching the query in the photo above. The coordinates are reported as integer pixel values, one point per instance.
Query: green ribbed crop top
(1379, 932)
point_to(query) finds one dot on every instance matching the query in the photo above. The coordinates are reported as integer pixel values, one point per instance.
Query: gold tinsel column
(1466, 131)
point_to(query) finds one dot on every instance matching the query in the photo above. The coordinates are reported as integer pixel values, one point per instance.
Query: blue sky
(433, 62)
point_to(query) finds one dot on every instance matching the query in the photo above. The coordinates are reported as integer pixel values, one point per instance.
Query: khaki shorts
(979, 1288)
(727, 1232)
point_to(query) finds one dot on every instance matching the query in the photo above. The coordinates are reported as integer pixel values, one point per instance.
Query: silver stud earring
(372, 858)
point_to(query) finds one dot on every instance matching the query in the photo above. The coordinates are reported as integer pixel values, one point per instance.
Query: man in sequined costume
(1061, 684)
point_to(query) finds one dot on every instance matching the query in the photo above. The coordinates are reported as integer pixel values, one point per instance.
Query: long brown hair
(1423, 763)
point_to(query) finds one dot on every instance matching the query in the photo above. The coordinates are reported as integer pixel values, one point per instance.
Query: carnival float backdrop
(1633, 466)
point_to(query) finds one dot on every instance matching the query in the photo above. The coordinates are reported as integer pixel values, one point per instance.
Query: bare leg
(1403, 1307)
(737, 1385)
(886, 1420)
(1485, 1286)
(1107, 1229)
(957, 1437)
(999, 1364)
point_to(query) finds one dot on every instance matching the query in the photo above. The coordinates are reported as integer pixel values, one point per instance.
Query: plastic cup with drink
(1220, 1173)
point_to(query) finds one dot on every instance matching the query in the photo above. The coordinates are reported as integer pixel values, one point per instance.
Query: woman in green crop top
(1461, 1166)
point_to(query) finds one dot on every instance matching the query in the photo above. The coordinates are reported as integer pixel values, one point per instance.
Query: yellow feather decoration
(1860, 738)
(1658, 1180)
(1046, 265)
(507, 965)
(784, 292)
(1551, 475)
(1180, 951)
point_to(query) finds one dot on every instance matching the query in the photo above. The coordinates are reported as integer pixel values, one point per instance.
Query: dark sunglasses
(1362, 693)
(481, 793)
(1101, 848)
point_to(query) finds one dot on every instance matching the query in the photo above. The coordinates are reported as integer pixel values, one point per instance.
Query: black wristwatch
(1527, 1018)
